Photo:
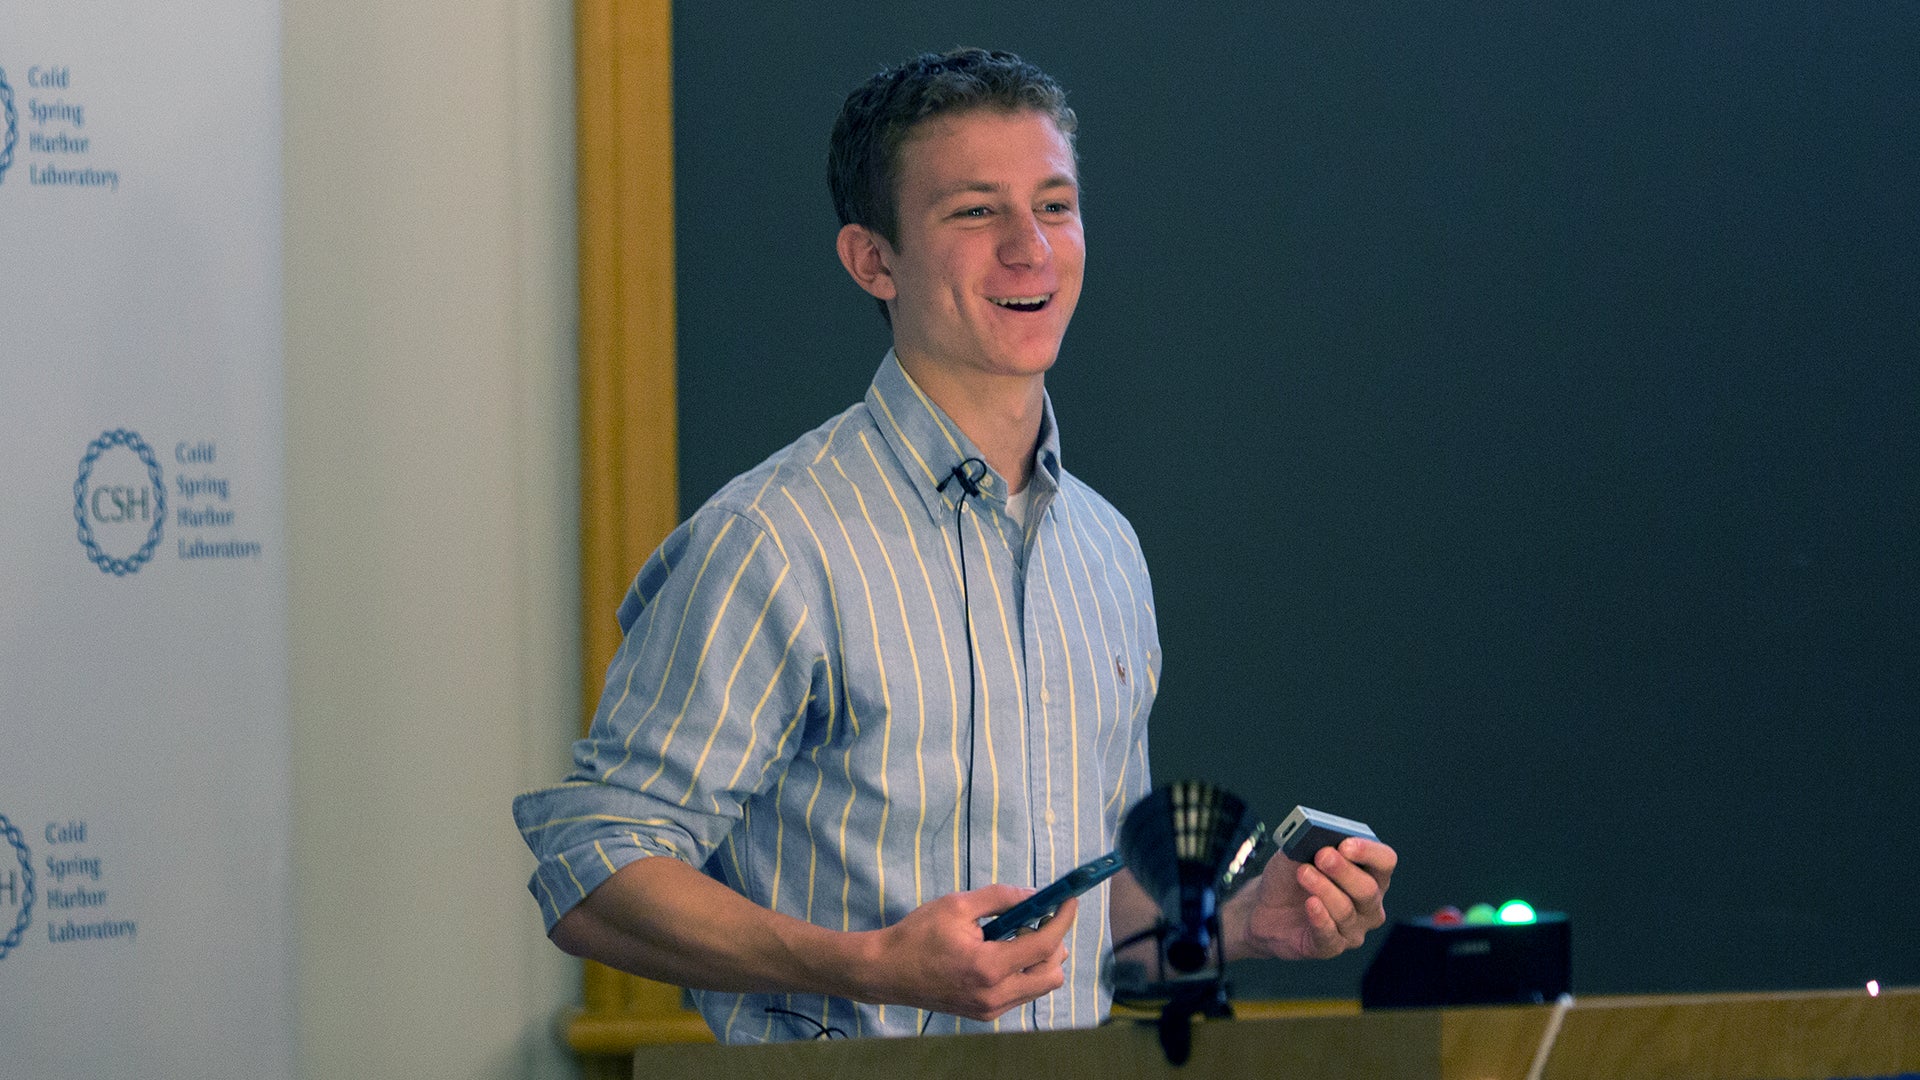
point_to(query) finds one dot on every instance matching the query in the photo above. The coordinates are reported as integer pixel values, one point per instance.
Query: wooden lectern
(1789, 1036)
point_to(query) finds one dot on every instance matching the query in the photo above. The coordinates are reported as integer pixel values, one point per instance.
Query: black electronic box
(1425, 963)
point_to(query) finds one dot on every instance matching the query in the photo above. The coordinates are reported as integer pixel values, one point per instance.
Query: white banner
(144, 874)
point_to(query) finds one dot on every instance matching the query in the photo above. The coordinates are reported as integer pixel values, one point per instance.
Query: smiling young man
(897, 676)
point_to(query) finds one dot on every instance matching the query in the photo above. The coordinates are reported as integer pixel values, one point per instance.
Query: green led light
(1517, 911)
(1480, 915)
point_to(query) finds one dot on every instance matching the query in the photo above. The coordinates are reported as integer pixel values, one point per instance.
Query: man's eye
(1057, 208)
(975, 212)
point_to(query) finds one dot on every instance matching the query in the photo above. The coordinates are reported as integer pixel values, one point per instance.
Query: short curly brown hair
(863, 157)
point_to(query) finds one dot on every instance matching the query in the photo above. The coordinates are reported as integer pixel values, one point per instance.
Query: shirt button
(1046, 698)
(1050, 817)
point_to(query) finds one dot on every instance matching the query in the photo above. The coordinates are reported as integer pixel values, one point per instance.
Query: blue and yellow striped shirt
(789, 710)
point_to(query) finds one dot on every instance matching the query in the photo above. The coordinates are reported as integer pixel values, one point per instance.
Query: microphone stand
(1204, 995)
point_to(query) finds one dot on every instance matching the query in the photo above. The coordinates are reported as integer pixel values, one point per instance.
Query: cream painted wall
(431, 514)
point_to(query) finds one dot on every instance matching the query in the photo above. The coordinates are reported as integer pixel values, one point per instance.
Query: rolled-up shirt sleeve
(701, 704)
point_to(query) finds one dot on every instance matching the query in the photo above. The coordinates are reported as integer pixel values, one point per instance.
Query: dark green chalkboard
(1519, 409)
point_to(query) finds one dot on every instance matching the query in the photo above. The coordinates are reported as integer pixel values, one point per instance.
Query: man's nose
(1025, 243)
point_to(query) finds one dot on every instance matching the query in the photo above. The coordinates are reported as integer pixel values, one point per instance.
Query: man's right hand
(937, 958)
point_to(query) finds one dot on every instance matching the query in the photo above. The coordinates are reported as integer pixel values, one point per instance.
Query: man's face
(988, 267)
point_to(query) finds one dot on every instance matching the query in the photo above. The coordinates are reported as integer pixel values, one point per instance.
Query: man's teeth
(1022, 301)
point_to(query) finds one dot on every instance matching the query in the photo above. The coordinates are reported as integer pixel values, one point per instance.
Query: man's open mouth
(1022, 303)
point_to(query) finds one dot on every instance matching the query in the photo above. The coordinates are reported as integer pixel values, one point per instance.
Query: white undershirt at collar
(1017, 505)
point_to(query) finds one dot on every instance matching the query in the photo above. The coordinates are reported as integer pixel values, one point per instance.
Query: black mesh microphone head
(1188, 844)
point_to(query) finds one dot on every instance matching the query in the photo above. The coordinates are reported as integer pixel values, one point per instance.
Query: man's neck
(1001, 414)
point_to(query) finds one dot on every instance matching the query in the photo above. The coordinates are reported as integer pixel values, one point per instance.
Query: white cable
(1547, 1037)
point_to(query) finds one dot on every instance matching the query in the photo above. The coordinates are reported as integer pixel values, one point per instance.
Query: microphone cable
(969, 481)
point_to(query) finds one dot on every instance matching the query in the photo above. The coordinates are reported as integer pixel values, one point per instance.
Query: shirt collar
(929, 444)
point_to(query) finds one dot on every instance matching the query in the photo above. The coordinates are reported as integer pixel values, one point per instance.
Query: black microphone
(969, 482)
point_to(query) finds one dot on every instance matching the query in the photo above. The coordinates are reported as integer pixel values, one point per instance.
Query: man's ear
(868, 257)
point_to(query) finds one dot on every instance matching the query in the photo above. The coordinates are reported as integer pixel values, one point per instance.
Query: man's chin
(1033, 356)
(1016, 359)
(1027, 365)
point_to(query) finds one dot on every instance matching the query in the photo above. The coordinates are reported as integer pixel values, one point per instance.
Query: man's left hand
(1300, 911)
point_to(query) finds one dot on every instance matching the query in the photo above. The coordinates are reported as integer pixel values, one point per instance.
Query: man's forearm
(662, 919)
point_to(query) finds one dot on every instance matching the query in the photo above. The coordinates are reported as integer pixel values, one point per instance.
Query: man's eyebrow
(970, 187)
(986, 187)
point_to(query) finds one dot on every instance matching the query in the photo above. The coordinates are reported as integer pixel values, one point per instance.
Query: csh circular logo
(16, 888)
(13, 125)
(119, 502)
